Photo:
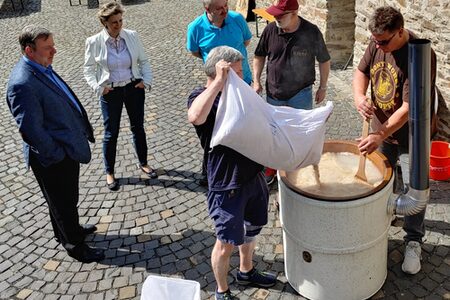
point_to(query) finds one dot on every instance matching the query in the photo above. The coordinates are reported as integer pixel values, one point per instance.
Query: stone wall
(344, 24)
(429, 19)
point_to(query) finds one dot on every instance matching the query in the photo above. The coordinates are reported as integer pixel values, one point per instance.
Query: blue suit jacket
(50, 124)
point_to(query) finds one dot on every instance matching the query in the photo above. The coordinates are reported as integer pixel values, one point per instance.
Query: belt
(119, 83)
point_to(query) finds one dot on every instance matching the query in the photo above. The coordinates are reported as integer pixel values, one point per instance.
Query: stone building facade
(344, 24)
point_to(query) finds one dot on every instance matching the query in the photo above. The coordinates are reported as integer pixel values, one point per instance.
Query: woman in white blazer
(117, 68)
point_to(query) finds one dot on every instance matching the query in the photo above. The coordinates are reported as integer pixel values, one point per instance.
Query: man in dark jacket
(55, 130)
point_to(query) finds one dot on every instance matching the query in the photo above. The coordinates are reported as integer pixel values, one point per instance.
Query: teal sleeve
(246, 33)
(191, 42)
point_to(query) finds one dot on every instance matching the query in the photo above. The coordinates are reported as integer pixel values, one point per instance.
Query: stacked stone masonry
(345, 28)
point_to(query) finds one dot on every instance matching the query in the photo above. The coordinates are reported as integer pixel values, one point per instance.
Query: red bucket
(440, 160)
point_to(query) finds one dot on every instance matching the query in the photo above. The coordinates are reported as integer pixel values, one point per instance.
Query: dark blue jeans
(414, 225)
(111, 105)
(301, 100)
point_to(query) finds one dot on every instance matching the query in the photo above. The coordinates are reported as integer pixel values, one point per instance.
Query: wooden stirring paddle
(361, 173)
(316, 174)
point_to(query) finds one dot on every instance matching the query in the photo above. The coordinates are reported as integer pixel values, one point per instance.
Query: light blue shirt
(48, 72)
(202, 36)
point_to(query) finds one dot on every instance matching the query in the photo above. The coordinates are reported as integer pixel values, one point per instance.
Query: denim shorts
(240, 214)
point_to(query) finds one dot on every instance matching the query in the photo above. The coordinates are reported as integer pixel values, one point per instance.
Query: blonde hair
(109, 9)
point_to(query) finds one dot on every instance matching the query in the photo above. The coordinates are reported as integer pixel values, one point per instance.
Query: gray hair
(207, 3)
(30, 34)
(226, 53)
(109, 9)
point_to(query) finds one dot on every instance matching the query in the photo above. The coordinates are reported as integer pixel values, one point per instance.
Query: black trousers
(59, 184)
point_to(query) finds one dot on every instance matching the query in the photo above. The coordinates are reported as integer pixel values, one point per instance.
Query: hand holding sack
(281, 138)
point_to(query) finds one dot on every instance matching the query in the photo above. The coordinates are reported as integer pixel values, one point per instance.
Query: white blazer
(95, 68)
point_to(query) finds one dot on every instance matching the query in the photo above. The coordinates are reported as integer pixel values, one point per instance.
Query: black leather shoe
(152, 174)
(88, 228)
(86, 254)
(85, 230)
(113, 186)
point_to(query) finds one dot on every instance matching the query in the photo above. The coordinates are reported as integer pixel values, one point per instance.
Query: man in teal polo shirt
(219, 27)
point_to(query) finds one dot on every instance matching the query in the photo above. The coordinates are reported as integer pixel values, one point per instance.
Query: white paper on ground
(279, 137)
(167, 288)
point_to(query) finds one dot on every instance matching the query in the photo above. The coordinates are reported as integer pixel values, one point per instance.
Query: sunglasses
(383, 42)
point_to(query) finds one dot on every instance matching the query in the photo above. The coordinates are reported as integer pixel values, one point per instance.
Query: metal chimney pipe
(419, 71)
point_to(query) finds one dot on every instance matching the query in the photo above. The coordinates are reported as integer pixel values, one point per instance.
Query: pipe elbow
(411, 203)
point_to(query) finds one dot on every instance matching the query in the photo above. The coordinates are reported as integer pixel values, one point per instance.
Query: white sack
(279, 137)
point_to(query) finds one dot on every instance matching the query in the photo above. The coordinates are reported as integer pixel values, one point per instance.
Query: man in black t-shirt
(385, 67)
(238, 195)
(291, 45)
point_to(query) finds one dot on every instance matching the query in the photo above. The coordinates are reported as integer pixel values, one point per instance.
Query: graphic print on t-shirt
(384, 80)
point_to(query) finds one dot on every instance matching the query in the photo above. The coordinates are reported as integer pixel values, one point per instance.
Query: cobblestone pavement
(156, 226)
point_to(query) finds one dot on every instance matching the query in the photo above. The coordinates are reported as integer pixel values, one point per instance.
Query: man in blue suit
(55, 130)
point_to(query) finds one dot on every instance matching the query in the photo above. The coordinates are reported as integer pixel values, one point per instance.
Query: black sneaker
(270, 175)
(203, 181)
(256, 278)
(225, 296)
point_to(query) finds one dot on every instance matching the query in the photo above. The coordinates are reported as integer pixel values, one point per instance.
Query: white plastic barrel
(336, 248)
